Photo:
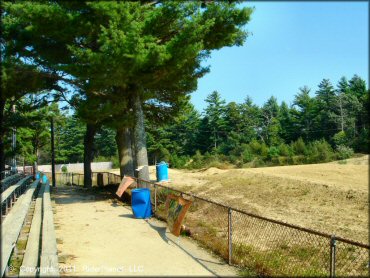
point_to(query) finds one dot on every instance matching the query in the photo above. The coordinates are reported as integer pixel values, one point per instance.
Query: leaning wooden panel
(49, 259)
(12, 225)
(32, 253)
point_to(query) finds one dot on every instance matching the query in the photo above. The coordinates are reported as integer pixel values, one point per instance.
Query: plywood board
(125, 183)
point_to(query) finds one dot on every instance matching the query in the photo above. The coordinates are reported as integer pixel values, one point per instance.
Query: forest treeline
(331, 124)
(318, 126)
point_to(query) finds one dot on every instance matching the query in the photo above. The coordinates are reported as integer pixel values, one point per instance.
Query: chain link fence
(259, 245)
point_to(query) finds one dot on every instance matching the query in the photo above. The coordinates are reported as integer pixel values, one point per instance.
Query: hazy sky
(293, 44)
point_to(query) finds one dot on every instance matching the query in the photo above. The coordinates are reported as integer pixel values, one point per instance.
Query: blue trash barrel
(140, 203)
(162, 171)
(38, 175)
(44, 179)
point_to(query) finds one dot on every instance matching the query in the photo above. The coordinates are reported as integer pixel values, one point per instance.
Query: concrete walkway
(98, 236)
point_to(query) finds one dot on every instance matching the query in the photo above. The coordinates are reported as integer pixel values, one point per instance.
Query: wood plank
(12, 188)
(49, 254)
(125, 183)
(49, 266)
(13, 223)
(5, 183)
(31, 257)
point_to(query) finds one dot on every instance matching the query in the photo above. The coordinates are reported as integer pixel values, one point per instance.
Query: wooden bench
(9, 196)
(13, 223)
(41, 255)
(31, 257)
(5, 183)
(49, 252)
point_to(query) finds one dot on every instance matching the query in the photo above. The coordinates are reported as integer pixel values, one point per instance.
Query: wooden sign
(125, 183)
(176, 208)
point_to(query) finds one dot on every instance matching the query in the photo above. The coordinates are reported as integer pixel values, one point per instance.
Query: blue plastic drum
(38, 175)
(162, 171)
(140, 203)
(44, 179)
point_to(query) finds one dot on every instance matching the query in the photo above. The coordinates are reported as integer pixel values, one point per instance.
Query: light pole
(14, 144)
(52, 152)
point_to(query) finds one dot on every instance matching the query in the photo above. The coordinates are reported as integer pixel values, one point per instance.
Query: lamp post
(14, 144)
(52, 152)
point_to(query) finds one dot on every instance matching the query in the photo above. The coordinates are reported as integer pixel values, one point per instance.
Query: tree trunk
(133, 148)
(141, 154)
(123, 139)
(88, 154)
(2, 134)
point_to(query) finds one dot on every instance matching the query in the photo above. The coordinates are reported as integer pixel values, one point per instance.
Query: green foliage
(319, 151)
(273, 152)
(344, 152)
(69, 143)
(299, 146)
(197, 161)
(340, 138)
(64, 169)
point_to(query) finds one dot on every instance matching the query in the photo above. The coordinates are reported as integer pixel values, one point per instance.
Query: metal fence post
(155, 197)
(230, 241)
(332, 255)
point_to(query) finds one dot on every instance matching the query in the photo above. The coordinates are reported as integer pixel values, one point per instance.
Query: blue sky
(293, 44)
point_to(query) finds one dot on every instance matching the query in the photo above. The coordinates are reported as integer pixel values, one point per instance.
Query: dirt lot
(98, 236)
(330, 197)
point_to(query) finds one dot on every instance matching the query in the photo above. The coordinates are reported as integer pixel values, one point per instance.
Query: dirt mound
(214, 171)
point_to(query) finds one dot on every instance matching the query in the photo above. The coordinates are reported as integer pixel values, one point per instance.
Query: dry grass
(329, 197)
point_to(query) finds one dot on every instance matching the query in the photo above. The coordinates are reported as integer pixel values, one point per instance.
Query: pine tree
(305, 113)
(214, 116)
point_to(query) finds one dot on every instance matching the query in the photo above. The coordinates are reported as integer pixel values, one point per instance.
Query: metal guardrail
(261, 245)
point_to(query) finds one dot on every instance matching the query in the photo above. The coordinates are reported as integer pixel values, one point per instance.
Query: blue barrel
(162, 171)
(38, 175)
(44, 179)
(140, 203)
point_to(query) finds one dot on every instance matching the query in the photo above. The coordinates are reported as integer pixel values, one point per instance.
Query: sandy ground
(99, 236)
(329, 197)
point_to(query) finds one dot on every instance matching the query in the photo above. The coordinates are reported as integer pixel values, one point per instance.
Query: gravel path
(100, 237)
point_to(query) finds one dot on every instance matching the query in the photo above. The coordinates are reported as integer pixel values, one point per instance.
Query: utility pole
(14, 144)
(52, 152)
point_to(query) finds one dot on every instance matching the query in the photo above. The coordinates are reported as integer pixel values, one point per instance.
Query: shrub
(273, 152)
(257, 162)
(115, 161)
(178, 161)
(283, 160)
(297, 159)
(255, 147)
(340, 138)
(197, 161)
(247, 155)
(319, 151)
(264, 151)
(64, 169)
(299, 147)
(362, 142)
(344, 152)
(285, 150)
